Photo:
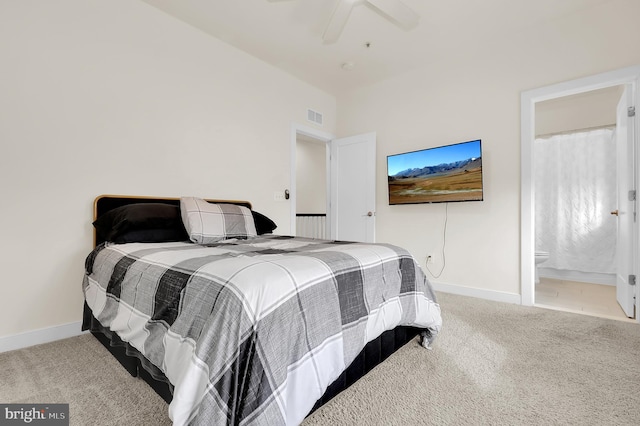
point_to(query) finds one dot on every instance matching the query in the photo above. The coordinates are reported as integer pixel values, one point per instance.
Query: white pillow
(208, 223)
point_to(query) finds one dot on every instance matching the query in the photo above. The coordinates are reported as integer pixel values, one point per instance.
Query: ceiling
(288, 33)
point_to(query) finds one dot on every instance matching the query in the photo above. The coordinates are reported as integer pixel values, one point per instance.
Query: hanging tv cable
(444, 242)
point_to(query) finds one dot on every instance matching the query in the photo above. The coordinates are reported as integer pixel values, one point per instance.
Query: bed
(232, 324)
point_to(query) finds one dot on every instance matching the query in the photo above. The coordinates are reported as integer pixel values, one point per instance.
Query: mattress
(254, 331)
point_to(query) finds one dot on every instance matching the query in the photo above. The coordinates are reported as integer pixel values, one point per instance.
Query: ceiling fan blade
(338, 21)
(397, 11)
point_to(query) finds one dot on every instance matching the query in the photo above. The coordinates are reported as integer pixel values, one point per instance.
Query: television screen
(436, 175)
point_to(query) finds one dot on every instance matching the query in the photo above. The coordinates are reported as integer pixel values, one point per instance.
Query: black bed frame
(134, 362)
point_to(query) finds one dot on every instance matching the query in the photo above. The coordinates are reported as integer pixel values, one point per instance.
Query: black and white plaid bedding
(253, 331)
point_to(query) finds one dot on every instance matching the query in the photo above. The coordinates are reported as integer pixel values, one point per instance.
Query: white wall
(117, 97)
(577, 112)
(478, 96)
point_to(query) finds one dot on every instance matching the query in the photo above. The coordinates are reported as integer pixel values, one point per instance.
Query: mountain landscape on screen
(459, 180)
(467, 165)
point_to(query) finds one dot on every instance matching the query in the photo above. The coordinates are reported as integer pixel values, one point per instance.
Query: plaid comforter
(253, 331)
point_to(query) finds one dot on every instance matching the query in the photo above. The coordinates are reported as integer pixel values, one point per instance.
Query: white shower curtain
(575, 191)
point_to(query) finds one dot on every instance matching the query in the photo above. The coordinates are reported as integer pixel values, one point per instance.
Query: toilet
(541, 257)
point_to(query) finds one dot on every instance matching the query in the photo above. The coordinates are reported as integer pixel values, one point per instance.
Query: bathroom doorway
(574, 175)
(582, 89)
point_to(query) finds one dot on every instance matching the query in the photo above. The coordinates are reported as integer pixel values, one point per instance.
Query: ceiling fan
(394, 10)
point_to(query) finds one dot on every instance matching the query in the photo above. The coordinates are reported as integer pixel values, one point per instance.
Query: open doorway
(311, 187)
(629, 78)
(307, 147)
(574, 175)
(350, 183)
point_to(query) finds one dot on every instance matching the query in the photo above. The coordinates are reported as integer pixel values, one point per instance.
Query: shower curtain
(575, 191)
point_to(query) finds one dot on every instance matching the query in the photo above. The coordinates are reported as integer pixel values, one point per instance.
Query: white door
(624, 213)
(353, 188)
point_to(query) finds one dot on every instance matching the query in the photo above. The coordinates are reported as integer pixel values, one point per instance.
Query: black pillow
(124, 220)
(264, 225)
(155, 235)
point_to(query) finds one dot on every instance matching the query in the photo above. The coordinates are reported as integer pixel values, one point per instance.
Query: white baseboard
(37, 337)
(480, 293)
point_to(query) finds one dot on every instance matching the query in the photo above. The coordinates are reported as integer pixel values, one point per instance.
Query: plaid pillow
(208, 223)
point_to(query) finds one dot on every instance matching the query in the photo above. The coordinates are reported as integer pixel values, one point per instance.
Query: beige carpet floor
(493, 364)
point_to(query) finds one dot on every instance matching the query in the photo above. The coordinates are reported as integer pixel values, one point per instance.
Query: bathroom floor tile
(591, 299)
(546, 300)
(546, 291)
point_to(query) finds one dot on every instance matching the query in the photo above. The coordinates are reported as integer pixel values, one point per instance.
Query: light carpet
(493, 364)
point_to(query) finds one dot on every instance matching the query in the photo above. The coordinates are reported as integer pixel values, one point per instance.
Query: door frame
(301, 129)
(624, 155)
(528, 100)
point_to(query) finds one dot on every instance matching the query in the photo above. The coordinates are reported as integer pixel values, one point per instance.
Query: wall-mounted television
(442, 174)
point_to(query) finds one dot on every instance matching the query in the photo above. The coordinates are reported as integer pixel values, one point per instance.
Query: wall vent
(314, 116)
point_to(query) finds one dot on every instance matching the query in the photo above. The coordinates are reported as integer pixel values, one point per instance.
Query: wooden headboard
(104, 203)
